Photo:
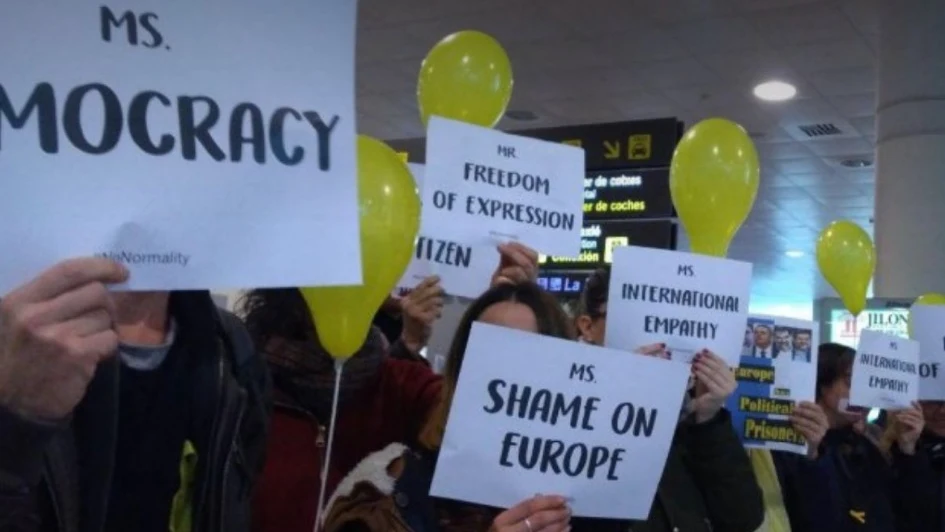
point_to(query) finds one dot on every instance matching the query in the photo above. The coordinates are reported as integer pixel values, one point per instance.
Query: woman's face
(934, 413)
(834, 400)
(512, 315)
(593, 329)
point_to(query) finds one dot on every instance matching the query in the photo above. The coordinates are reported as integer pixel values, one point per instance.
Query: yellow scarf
(776, 518)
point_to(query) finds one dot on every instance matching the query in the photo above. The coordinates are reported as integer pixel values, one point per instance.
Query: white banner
(536, 414)
(689, 302)
(928, 328)
(885, 372)
(203, 144)
(486, 187)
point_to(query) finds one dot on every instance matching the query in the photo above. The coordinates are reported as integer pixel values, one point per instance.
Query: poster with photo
(778, 368)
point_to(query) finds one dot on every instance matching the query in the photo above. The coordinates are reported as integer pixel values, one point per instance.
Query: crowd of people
(144, 412)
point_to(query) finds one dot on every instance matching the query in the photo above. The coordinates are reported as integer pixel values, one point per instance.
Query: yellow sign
(611, 150)
(611, 243)
(404, 156)
(639, 147)
(572, 142)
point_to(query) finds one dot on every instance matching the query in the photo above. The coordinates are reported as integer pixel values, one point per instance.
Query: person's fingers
(79, 301)
(806, 427)
(527, 507)
(100, 345)
(651, 349)
(549, 519)
(528, 253)
(717, 384)
(518, 255)
(88, 324)
(515, 274)
(68, 275)
(713, 360)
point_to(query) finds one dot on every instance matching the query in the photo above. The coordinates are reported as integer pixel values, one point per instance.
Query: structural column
(910, 149)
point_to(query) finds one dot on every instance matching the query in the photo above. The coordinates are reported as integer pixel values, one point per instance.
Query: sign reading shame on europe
(485, 187)
(575, 428)
(689, 302)
(180, 138)
(885, 371)
(464, 270)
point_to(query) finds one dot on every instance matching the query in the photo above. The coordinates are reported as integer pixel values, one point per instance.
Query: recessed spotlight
(775, 91)
(521, 115)
(794, 253)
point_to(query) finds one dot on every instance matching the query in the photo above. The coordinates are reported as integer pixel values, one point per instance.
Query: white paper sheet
(201, 211)
(484, 187)
(928, 328)
(885, 372)
(481, 459)
(689, 302)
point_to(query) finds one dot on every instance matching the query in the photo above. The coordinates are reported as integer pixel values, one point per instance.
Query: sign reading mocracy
(484, 186)
(180, 138)
(689, 302)
(576, 428)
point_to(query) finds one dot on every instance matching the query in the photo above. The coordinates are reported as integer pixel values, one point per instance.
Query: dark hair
(595, 293)
(276, 313)
(551, 320)
(834, 362)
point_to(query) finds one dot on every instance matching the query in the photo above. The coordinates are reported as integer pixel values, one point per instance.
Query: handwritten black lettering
(527, 214)
(679, 296)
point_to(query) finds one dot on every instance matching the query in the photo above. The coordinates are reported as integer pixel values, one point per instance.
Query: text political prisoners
(680, 327)
(506, 210)
(557, 456)
(887, 383)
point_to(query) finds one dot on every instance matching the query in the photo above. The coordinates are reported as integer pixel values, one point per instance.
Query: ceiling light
(775, 91)
(794, 253)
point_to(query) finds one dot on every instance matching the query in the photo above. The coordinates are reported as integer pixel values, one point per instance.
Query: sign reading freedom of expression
(465, 270)
(928, 328)
(180, 138)
(576, 428)
(885, 372)
(689, 302)
(484, 186)
(778, 369)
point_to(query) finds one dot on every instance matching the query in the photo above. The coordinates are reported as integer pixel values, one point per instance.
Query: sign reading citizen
(687, 301)
(485, 186)
(180, 138)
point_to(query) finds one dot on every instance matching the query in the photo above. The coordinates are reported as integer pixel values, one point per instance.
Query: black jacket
(852, 487)
(931, 506)
(58, 478)
(707, 486)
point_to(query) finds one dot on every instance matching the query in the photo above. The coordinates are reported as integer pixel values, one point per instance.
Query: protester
(708, 481)
(851, 485)
(383, 400)
(407, 321)
(932, 443)
(168, 435)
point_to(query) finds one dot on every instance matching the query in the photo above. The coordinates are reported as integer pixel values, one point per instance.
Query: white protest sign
(689, 302)
(464, 270)
(928, 328)
(485, 187)
(181, 138)
(577, 428)
(885, 372)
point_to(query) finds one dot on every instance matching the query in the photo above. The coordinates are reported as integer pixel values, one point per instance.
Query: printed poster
(689, 302)
(182, 139)
(778, 369)
(486, 187)
(578, 428)
(885, 372)
(465, 270)
(928, 328)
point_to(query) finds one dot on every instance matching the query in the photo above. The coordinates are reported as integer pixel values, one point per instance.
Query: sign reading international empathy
(885, 372)
(484, 186)
(778, 369)
(577, 428)
(182, 139)
(464, 270)
(689, 302)
(928, 328)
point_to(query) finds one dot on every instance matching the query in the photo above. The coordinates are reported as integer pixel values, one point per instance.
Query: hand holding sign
(654, 350)
(517, 264)
(911, 422)
(542, 513)
(810, 420)
(421, 308)
(714, 383)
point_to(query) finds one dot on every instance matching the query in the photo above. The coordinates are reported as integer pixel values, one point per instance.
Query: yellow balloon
(932, 298)
(714, 180)
(389, 218)
(846, 258)
(467, 76)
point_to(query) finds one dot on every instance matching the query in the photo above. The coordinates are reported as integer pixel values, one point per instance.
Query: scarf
(776, 518)
(305, 373)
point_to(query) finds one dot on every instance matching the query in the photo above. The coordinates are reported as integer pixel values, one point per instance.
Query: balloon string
(319, 517)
